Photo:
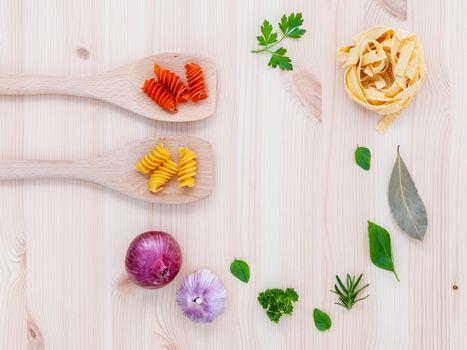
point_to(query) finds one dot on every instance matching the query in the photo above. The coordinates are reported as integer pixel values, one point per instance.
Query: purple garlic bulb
(202, 296)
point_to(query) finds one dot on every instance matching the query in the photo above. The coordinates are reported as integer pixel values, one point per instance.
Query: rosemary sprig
(348, 293)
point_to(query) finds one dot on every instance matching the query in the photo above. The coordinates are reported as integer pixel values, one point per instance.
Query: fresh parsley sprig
(278, 302)
(291, 28)
(348, 293)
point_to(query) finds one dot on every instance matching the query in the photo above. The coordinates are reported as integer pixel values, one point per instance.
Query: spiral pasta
(195, 79)
(384, 69)
(186, 168)
(172, 82)
(160, 94)
(162, 175)
(153, 159)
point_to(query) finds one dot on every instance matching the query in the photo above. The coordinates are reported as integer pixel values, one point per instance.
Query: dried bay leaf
(406, 205)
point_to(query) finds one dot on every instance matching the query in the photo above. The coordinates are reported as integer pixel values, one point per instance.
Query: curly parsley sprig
(278, 302)
(290, 28)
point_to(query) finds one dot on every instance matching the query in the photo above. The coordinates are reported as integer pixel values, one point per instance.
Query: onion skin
(153, 259)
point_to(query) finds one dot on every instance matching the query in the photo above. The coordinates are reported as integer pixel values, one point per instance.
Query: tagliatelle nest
(384, 69)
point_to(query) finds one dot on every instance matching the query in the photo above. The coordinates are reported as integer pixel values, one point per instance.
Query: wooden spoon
(122, 87)
(116, 170)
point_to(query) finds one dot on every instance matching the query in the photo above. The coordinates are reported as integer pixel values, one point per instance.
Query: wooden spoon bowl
(116, 170)
(122, 87)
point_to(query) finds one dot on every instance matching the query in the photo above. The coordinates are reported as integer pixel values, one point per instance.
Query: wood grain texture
(122, 86)
(287, 197)
(396, 8)
(308, 89)
(116, 170)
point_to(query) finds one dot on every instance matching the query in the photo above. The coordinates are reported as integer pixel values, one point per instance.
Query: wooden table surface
(288, 197)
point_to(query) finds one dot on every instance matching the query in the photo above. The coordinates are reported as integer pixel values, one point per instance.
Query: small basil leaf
(363, 157)
(322, 320)
(241, 270)
(380, 248)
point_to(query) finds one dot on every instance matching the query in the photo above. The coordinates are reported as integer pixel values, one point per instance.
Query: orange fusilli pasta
(173, 83)
(195, 79)
(160, 94)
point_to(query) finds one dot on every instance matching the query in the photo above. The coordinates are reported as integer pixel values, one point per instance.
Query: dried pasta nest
(384, 69)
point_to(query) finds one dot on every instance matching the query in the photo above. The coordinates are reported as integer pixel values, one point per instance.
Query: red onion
(153, 259)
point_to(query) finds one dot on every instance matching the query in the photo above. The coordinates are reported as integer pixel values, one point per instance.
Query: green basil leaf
(241, 270)
(380, 248)
(322, 320)
(406, 205)
(363, 157)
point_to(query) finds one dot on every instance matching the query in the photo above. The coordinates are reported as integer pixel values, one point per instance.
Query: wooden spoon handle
(33, 169)
(39, 85)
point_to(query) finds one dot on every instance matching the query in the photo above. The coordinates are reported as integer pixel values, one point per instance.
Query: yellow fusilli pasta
(162, 175)
(186, 168)
(153, 159)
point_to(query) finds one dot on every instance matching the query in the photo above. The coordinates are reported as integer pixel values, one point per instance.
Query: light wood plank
(287, 195)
